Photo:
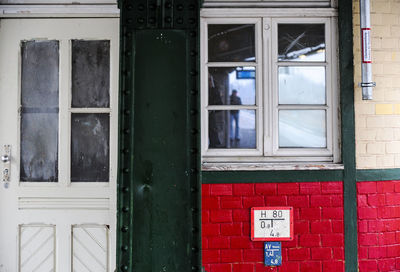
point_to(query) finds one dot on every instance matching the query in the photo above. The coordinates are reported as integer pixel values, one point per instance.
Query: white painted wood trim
(267, 12)
(336, 123)
(56, 203)
(269, 4)
(54, 11)
(267, 85)
(271, 159)
(232, 107)
(242, 166)
(265, 1)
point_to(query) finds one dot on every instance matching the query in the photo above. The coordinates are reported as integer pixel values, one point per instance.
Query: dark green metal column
(158, 184)
(348, 135)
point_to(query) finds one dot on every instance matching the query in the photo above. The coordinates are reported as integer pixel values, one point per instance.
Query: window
(269, 86)
(46, 116)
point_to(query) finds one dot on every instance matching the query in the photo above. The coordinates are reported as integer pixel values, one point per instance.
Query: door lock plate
(6, 159)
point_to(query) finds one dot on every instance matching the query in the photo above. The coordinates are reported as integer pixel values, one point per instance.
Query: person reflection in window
(214, 99)
(235, 100)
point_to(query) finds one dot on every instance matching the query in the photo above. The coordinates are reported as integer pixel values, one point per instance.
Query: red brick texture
(378, 226)
(318, 226)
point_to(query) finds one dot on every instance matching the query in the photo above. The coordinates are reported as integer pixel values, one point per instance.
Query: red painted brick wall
(379, 226)
(318, 226)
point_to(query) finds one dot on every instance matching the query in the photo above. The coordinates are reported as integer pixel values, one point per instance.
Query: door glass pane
(39, 144)
(231, 43)
(301, 85)
(39, 111)
(302, 128)
(90, 147)
(232, 86)
(232, 129)
(90, 74)
(301, 42)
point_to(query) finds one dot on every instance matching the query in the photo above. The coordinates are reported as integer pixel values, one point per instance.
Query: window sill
(259, 166)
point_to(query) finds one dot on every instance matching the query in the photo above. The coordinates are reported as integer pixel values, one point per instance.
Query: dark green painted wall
(161, 208)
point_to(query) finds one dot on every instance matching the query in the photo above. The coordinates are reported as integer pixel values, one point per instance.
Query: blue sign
(246, 74)
(272, 254)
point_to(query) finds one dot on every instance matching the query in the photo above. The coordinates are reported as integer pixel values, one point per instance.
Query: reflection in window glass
(90, 74)
(232, 129)
(231, 43)
(302, 128)
(39, 111)
(301, 42)
(232, 86)
(301, 85)
(90, 147)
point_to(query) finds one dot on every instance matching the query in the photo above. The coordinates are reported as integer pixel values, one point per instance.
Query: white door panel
(58, 226)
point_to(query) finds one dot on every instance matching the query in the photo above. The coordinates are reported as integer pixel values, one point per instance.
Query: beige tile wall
(378, 120)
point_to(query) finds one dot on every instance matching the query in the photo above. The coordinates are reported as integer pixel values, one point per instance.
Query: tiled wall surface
(378, 120)
(379, 226)
(318, 226)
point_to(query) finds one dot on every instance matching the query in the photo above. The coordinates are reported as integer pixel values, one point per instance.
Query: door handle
(5, 158)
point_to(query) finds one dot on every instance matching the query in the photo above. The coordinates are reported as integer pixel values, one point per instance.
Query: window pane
(302, 128)
(232, 129)
(301, 42)
(39, 147)
(231, 43)
(39, 112)
(90, 74)
(232, 86)
(302, 85)
(90, 147)
(39, 74)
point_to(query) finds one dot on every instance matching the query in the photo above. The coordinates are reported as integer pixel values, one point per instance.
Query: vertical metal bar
(366, 69)
(348, 136)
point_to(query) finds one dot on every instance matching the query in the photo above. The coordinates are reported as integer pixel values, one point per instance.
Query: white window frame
(267, 150)
(258, 96)
(65, 115)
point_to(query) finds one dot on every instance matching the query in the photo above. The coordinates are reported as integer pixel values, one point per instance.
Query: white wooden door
(58, 114)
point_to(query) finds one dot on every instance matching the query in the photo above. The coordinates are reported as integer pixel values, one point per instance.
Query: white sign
(272, 224)
(366, 45)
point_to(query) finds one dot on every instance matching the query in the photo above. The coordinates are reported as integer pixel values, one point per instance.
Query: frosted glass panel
(232, 86)
(90, 74)
(302, 85)
(231, 43)
(302, 128)
(39, 111)
(39, 147)
(39, 74)
(232, 129)
(301, 42)
(90, 147)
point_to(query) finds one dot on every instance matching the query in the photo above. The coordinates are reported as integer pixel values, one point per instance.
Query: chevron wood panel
(37, 248)
(90, 248)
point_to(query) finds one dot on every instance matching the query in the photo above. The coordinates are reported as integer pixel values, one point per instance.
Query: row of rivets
(126, 97)
(167, 19)
(167, 5)
(147, 13)
(194, 150)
